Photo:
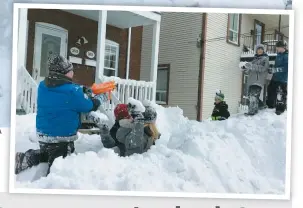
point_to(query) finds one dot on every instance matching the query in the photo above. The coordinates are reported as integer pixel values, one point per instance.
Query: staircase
(27, 93)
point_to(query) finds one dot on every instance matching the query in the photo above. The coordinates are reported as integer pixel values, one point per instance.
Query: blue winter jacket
(281, 63)
(58, 110)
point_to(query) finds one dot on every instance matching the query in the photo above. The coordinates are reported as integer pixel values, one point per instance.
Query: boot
(20, 163)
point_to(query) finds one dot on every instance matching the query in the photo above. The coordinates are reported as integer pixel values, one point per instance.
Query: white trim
(151, 8)
(75, 60)
(26, 43)
(50, 26)
(149, 15)
(22, 38)
(128, 51)
(154, 59)
(13, 189)
(101, 41)
(111, 43)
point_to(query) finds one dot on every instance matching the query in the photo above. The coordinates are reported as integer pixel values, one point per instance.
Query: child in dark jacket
(220, 111)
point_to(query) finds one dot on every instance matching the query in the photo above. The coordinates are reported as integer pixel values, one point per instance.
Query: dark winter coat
(59, 105)
(130, 137)
(220, 111)
(257, 70)
(281, 64)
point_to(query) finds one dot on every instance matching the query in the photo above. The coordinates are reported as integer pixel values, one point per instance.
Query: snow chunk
(137, 103)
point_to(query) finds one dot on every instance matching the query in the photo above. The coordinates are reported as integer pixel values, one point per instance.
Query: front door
(49, 40)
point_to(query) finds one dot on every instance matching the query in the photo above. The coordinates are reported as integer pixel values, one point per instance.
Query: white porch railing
(242, 108)
(26, 92)
(140, 90)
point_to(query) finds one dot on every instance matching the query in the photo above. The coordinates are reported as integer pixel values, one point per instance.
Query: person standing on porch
(257, 71)
(277, 88)
(59, 105)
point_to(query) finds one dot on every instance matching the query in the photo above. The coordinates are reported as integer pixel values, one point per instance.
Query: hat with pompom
(121, 112)
(150, 114)
(219, 95)
(59, 64)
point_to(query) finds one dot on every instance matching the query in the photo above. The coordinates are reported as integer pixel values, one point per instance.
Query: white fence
(140, 90)
(26, 92)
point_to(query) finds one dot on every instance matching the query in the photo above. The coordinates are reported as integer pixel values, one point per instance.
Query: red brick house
(102, 45)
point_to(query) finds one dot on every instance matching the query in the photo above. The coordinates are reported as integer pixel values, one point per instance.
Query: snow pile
(240, 155)
(137, 104)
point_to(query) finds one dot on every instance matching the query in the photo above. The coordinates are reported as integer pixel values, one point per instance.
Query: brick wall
(80, 26)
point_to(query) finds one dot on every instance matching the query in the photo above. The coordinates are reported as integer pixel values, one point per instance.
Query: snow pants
(47, 153)
(254, 92)
(277, 96)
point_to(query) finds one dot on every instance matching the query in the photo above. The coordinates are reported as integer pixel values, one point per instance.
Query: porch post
(154, 59)
(128, 51)
(22, 34)
(101, 45)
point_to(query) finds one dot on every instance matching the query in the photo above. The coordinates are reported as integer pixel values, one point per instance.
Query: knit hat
(280, 44)
(59, 64)
(121, 112)
(260, 46)
(219, 95)
(150, 114)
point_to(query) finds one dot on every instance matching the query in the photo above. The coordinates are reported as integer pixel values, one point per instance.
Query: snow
(240, 155)
(138, 105)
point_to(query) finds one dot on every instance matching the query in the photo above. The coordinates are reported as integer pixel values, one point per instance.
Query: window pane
(50, 46)
(258, 33)
(112, 64)
(107, 48)
(231, 21)
(113, 57)
(158, 96)
(109, 73)
(162, 79)
(234, 21)
(163, 96)
(106, 63)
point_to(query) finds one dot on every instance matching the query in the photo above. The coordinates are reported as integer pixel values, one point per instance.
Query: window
(162, 84)
(259, 32)
(233, 29)
(111, 58)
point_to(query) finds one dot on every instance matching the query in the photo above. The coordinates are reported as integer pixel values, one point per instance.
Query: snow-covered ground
(240, 155)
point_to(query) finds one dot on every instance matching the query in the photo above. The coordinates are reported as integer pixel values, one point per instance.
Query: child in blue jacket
(277, 89)
(60, 103)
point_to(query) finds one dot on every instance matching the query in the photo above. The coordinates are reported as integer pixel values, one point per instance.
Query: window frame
(239, 30)
(164, 67)
(258, 22)
(117, 46)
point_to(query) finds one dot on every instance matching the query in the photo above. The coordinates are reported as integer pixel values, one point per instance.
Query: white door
(49, 40)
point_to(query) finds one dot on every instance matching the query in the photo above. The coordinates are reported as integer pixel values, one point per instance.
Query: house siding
(222, 63)
(80, 26)
(178, 47)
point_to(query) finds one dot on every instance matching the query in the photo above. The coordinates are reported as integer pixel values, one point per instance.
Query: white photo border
(16, 9)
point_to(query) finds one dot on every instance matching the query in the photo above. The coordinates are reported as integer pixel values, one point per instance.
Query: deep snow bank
(241, 155)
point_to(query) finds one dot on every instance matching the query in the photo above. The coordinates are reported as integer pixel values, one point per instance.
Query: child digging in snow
(133, 132)
(220, 111)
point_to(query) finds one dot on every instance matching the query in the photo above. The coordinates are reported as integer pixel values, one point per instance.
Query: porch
(264, 29)
(103, 60)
